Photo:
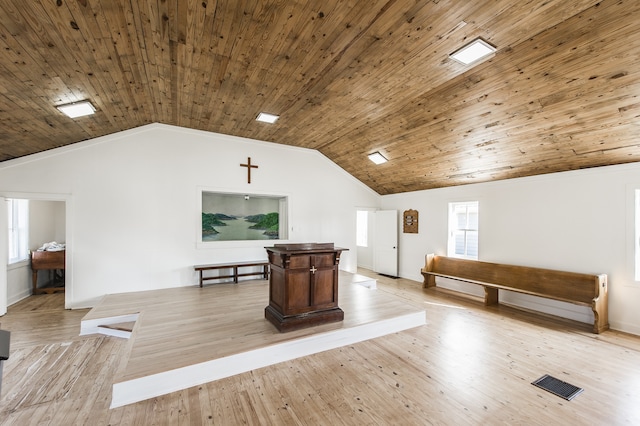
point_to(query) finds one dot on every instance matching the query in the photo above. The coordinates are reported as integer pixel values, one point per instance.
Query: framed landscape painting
(242, 217)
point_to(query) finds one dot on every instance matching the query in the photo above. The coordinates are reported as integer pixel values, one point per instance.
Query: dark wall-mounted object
(410, 222)
(5, 336)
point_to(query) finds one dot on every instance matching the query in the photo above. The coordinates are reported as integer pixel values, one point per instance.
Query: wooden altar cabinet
(303, 285)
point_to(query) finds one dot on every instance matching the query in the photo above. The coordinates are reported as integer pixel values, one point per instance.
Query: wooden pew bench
(577, 288)
(235, 266)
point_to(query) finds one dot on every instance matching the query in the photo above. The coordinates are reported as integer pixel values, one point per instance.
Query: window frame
(18, 230)
(453, 229)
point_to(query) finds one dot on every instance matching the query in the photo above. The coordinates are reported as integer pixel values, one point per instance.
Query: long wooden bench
(577, 288)
(235, 266)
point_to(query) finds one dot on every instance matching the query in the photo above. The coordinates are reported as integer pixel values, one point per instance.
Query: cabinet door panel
(276, 292)
(298, 297)
(323, 288)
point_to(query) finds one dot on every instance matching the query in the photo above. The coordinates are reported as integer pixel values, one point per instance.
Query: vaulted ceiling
(346, 77)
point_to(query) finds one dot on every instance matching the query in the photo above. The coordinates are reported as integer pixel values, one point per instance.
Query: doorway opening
(377, 241)
(46, 224)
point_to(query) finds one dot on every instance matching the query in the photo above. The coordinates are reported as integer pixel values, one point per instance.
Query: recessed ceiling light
(473, 51)
(377, 158)
(77, 109)
(267, 118)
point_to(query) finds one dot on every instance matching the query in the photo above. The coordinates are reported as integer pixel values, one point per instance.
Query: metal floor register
(557, 387)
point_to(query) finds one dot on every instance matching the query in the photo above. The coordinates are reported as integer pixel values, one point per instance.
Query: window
(362, 219)
(463, 230)
(18, 230)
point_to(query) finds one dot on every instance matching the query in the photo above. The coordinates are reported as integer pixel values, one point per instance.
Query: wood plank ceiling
(347, 77)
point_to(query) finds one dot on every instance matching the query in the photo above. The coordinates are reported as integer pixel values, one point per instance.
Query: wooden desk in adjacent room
(54, 262)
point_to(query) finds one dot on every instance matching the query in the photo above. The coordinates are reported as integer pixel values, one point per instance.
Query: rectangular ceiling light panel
(377, 158)
(267, 118)
(473, 52)
(77, 109)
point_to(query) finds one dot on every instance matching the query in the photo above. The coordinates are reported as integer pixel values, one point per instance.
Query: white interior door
(385, 242)
(4, 256)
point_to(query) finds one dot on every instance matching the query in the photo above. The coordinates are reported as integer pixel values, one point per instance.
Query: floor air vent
(557, 387)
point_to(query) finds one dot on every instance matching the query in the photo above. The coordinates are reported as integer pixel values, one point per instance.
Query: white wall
(18, 282)
(132, 213)
(46, 222)
(578, 221)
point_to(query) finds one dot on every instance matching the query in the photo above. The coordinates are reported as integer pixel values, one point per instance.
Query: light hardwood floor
(469, 365)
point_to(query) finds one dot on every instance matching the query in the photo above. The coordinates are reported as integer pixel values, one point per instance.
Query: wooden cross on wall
(249, 166)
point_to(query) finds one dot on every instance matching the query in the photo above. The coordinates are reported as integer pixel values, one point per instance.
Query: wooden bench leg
(490, 296)
(600, 307)
(600, 323)
(429, 281)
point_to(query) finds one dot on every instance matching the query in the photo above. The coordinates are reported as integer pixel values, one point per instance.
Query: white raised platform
(362, 280)
(188, 336)
(98, 325)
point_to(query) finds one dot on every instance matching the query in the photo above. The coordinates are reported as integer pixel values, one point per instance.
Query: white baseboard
(18, 297)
